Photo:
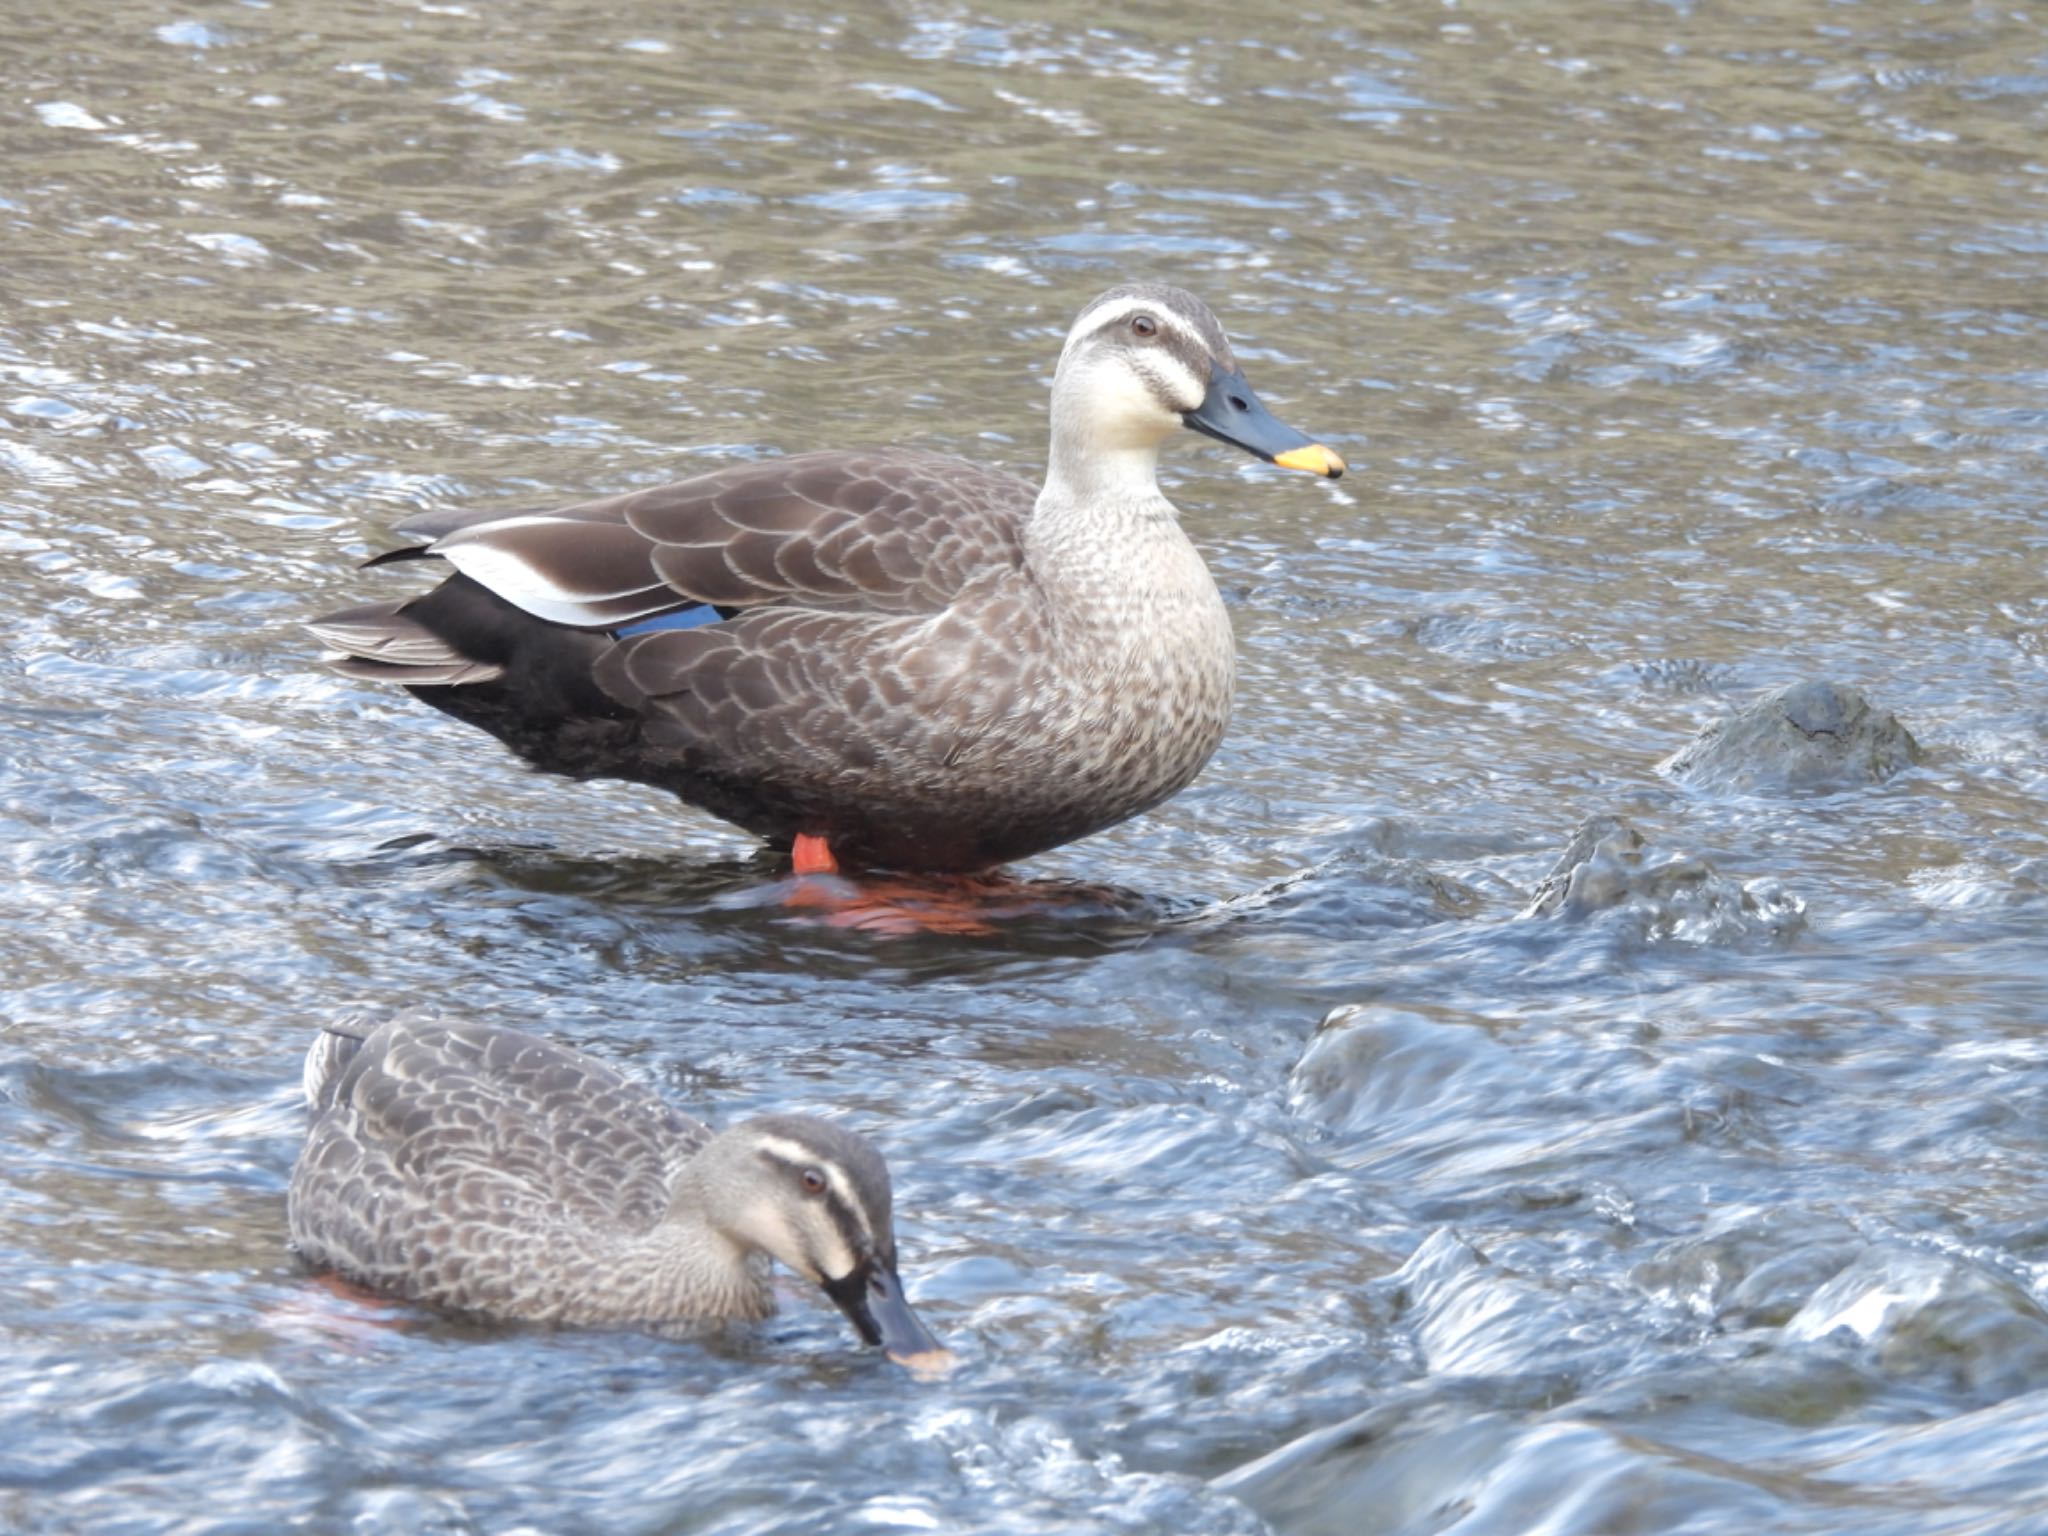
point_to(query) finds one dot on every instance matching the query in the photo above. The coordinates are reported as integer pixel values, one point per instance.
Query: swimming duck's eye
(814, 1181)
(1144, 325)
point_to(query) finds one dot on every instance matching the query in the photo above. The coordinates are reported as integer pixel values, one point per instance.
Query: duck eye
(1144, 325)
(814, 1181)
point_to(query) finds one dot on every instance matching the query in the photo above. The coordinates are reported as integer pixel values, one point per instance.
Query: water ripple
(1681, 1180)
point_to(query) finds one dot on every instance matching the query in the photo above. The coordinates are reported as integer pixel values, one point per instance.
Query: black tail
(471, 654)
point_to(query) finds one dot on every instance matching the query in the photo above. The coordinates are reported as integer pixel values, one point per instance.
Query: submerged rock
(1753, 1266)
(1400, 1460)
(1810, 735)
(1356, 887)
(1368, 1065)
(1469, 1457)
(1606, 867)
(1936, 1317)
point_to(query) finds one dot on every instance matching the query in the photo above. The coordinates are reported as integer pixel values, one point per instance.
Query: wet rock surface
(1944, 1319)
(1610, 867)
(1806, 736)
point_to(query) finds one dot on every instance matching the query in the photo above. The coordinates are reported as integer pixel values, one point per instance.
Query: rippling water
(1681, 352)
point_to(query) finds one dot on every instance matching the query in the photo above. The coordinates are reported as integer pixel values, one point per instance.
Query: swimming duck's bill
(1232, 414)
(872, 1299)
(1315, 459)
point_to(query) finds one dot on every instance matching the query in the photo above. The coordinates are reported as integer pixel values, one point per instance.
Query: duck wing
(468, 1139)
(886, 531)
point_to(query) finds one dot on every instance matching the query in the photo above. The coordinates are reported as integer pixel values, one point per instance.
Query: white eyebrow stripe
(1108, 314)
(835, 1176)
(789, 1151)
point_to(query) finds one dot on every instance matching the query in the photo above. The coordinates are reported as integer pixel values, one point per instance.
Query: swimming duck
(876, 658)
(479, 1168)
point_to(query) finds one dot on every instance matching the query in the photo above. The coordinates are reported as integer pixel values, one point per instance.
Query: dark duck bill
(1231, 413)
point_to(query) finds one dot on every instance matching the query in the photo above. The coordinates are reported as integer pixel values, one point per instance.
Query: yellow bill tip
(927, 1364)
(1315, 459)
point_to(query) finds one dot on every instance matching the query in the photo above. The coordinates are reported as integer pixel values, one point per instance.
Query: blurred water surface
(1680, 352)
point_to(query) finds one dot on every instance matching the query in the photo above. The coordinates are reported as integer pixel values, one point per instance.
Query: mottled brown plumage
(490, 1171)
(930, 664)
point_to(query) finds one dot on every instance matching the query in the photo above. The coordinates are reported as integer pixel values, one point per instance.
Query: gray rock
(1810, 735)
(1607, 867)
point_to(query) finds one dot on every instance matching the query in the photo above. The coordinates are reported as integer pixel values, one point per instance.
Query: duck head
(1145, 359)
(815, 1197)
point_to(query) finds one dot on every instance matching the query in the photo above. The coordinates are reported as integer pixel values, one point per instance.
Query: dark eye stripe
(847, 1220)
(848, 1223)
(1160, 382)
(1173, 335)
(1193, 356)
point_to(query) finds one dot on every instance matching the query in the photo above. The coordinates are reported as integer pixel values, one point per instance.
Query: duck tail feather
(410, 675)
(327, 1058)
(339, 1041)
(383, 643)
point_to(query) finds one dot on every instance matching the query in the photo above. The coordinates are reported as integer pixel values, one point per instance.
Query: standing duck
(877, 658)
(491, 1171)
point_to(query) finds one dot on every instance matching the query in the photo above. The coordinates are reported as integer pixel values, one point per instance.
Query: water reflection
(1680, 356)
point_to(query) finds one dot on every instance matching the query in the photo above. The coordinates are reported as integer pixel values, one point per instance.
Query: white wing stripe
(524, 586)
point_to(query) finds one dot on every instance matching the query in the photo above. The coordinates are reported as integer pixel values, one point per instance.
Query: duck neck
(1093, 464)
(685, 1268)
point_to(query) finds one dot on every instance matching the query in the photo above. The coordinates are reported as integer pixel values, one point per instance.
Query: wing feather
(469, 1111)
(888, 531)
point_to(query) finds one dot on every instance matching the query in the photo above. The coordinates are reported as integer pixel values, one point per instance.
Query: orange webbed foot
(812, 855)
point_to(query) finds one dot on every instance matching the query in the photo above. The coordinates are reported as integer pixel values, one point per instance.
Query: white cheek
(1124, 410)
(1181, 385)
(769, 1229)
(839, 1260)
(794, 1239)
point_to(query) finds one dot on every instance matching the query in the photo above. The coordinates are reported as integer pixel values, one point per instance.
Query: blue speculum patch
(682, 618)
